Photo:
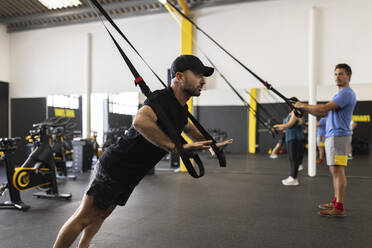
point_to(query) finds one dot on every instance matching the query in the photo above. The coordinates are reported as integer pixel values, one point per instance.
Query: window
(123, 103)
(63, 101)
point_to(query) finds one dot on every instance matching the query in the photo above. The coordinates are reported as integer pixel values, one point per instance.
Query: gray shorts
(320, 141)
(337, 149)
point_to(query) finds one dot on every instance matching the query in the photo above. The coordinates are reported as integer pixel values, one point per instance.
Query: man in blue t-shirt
(338, 136)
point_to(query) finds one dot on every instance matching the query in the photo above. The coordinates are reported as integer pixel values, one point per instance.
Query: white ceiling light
(58, 4)
(163, 1)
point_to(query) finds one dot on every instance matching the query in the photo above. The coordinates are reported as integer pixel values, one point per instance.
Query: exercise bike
(60, 147)
(38, 171)
(7, 148)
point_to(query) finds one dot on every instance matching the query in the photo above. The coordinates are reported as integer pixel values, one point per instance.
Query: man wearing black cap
(122, 166)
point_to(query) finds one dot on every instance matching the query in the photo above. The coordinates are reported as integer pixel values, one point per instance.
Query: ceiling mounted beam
(83, 14)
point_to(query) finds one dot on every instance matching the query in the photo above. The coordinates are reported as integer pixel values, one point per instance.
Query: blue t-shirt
(338, 120)
(296, 132)
(322, 127)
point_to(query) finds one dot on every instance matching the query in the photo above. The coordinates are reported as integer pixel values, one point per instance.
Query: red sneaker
(334, 212)
(326, 206)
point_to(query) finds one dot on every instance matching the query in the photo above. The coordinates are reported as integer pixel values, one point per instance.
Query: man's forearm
(195, 136)
(156, 136)
(317, 110)
(193, 133)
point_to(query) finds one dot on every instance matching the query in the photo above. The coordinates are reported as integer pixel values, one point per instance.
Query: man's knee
(92, 216)
(337, 170)
(89, 213)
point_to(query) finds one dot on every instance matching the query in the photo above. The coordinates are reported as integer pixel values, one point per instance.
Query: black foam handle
(186, 158)
(298, 112)
(218, 151)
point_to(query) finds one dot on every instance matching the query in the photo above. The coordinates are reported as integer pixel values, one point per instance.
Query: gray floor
(243, 205)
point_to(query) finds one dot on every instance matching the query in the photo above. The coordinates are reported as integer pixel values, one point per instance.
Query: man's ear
(180, 76)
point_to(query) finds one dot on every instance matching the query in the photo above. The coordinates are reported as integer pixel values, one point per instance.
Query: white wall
(53, 61)
(270, 37)
(4, 54)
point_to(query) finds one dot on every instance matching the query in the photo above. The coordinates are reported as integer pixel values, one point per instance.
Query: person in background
(353, 125)
(294, 128)
(320, 138)
(279, 144)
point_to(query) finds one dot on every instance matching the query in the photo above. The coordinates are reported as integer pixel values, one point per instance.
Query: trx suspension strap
(270, 122)
(297, 111)
(171, 132)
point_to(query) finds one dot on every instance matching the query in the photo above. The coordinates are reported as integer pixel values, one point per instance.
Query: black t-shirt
(133, 150)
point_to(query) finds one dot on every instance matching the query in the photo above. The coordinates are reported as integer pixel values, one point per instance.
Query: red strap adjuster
(139, 79)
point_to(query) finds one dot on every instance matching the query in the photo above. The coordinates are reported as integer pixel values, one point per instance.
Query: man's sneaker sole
(326, 213)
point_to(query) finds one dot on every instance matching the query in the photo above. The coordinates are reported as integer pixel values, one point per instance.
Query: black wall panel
(362, 137)
(275, 112)
(4, 109)
(231, 119)
(119, 120)
(24, 113)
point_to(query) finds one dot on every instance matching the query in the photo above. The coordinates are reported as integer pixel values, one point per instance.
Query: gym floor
(243, 205)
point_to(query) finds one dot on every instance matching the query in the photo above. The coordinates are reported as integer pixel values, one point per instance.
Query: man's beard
(189, 90)
(192, 92)
(340, 83)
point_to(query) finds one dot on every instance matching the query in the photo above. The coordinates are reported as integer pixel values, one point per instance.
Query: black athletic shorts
(113, 181)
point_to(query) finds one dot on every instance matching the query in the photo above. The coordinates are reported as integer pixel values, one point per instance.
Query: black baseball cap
(192, 63)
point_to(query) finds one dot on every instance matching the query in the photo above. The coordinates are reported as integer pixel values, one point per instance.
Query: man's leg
(276, 148)
(88, 218)
(321, 154)
(339, 182)
(94, 226)
(339, 185)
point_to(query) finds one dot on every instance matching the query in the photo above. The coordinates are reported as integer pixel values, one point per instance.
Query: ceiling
(20, 15)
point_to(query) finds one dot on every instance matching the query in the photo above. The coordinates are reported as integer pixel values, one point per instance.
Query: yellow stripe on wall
(186, 48)
(59, 112)
(252, 122)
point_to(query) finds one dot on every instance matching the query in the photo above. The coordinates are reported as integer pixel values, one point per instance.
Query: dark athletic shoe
(334, 212)
(326, 206)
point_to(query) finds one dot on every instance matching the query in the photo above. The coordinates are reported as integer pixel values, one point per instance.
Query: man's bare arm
(318, 109)
(192, 132)
(145, 123)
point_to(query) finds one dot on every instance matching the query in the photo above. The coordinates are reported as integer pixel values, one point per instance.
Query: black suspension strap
(297, 111)
(278, 100)
(177, 139)
(270, 122)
